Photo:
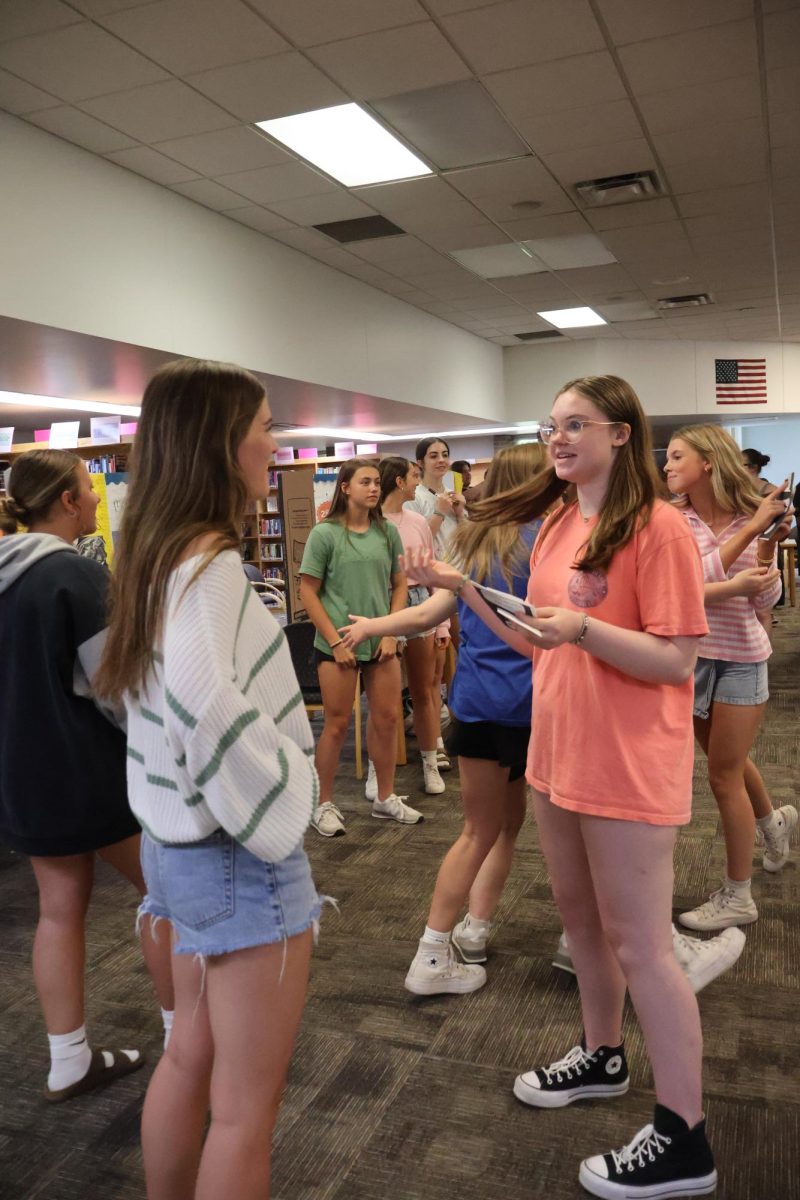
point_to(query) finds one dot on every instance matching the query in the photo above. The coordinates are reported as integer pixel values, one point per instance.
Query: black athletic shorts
(507, 745)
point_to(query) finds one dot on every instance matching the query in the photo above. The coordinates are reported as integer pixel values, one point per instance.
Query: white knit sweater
(218, 734)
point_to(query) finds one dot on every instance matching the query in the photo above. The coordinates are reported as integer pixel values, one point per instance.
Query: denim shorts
(418, 595)
(219, 897)
(719, 682)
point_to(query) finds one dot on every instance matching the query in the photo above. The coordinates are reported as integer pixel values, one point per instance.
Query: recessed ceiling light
(348, 144)
(572, 318)
(27, 400)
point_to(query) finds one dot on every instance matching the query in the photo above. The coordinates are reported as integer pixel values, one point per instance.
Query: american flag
(741, 380)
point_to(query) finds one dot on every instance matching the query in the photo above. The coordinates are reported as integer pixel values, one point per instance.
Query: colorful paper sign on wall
(64, 435)
(367, 448)
(344, 449)
(105, 429)
(6, 438)
(308, 452)
(284, 454)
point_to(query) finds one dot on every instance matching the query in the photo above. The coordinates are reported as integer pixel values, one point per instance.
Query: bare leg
(420, 663)
(485, 893)
(440, 654)
(756, 789)
(255, 1001)
(156, 951)
(338, 687)
(59, 946)
(726, 737)
(382, 685)
(176, 1106)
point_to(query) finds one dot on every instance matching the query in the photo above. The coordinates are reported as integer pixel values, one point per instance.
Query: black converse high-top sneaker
(579, 1075)
(665, 1160)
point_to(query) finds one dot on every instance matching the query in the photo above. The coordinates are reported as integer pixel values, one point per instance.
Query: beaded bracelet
(464, 581)
(583, 631)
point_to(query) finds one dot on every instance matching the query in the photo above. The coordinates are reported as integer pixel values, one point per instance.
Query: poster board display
(112, 488)
(297, 507)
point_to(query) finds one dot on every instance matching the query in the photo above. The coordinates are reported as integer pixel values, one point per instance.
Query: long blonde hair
(487, 541)
(185, 481)
(732, 488)
(633, 484)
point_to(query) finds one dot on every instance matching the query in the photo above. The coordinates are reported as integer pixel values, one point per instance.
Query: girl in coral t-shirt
(618, 591)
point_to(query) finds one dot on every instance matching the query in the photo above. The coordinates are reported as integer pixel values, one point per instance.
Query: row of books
(271, 527)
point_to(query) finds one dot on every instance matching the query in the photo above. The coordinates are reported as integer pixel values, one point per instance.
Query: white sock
(436, 936)
(440, 744)
(428, 757)
(70, 1058)
(740, 886)
(765, 822)
(167, 1016)
(475, 923)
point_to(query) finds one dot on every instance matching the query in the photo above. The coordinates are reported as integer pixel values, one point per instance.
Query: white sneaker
(371, 786)
(700, 961)
(435, 969)
(444, 715)
(328, 821)
(562, 959)
(470, 940)
(394, 808)
(433, 782)
(776, 837)
(723, 908)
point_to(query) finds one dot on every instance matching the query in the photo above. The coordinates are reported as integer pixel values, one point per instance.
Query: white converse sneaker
(470, 940)
(776, 837)
(700, 961)
(723, 908)
(435, 970)
(562, 959)
(328, 821)
(371, 786)
(394, 808)
(433, 783)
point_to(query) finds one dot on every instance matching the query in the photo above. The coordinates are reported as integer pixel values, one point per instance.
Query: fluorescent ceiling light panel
(499, 262)
(347, 143)
(572, 318)
(564, 253)
(26, 400)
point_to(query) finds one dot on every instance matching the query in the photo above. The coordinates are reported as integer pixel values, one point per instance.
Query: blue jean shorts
(719, 682)
(219, 897)
(417, 595)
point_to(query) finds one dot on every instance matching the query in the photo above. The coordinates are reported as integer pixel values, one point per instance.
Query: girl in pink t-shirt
(618, 590)
(727, 515)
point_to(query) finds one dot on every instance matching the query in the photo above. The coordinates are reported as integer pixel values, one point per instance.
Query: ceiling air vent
(540, 335)
(360, 229)
(696, 301)
(619, 189)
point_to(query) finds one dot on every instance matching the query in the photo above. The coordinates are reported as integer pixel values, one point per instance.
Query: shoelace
(633, 1155)
(577, 1060)
(333, 808)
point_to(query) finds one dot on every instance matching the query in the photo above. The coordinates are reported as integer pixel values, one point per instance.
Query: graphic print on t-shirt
(586, 589)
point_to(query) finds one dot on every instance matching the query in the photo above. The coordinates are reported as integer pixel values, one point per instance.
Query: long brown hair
(486, 540)
(38, 479)
(338, 509)
(732, 488)
(185, 481)
(633, 484)
(391, 469)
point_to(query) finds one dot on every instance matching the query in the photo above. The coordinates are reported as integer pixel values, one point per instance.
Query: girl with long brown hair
(617, 587)
(352, 560)
(491, 702)
(69, 804)
(727, 514)
(221, 777)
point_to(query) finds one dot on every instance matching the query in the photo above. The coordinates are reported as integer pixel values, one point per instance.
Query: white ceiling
(706, 92)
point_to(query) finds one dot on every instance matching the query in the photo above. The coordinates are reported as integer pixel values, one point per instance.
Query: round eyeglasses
(571, 430)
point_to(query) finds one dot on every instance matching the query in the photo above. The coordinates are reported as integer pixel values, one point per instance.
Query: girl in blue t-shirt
(491, 704)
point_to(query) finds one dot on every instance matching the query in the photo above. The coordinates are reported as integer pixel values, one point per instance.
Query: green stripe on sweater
(193, 800)
(262, 660)
(149, 715)
(180, 712)
(228, 739)
(135, 755)
(267, 802)
(288, 707)
(162, 782)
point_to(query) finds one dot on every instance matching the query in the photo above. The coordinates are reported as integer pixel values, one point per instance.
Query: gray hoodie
(21, 550)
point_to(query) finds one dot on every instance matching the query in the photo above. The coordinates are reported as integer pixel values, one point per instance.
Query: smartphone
(504, 602)
(787, 496)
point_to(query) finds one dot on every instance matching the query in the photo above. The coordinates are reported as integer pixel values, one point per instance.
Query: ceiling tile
(705, 139)
(17, 96)
(77, 62)
(316, 210)
(692, 107)
(278, 86)
(497, 189)
(397, 60)
(558, 225)
(782, 38)
(496, 262)
(597, 282)
(638, 241)
(99, 8)
(279, 183)
(784, 130)
(720, 52)
(594, 162)
(316, 21)
(430, 198)
(259, 218)
(195, 35)
(539, 292)
(632, 21)
(621, 216)
(464, 237)
(225, 151)
(211, 194)
(452, 125)
(159, 112)
(75, 126)
(144, 161)
(752, 198)
(444, 8)
(783, 90)
(33, 16)
(574, 251)
(614, 121)
(405, 250)
(575, 82)
(717, 171)
(521, 32)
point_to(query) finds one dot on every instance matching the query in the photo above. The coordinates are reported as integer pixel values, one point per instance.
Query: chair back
(300, 636)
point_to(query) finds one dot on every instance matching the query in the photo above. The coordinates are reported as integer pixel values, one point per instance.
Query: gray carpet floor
(394, 1096)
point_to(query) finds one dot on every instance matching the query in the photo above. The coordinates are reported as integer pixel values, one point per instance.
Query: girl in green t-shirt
(351, 559)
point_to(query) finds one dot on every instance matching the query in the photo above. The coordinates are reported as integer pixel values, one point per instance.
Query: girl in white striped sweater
(220, 775)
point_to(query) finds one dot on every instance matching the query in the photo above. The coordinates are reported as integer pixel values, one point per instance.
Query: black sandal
(99, 1074)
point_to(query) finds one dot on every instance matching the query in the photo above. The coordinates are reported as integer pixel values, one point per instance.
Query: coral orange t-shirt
(602, 742)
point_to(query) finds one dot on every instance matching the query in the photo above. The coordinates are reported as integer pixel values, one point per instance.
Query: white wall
(780, 440)
(89, 246)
